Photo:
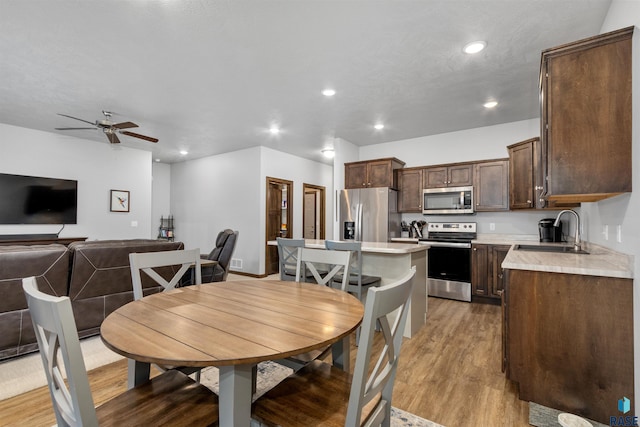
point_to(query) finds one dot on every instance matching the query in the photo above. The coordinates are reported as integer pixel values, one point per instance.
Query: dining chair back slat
(314, 260)
(288, 257)
(147, 261)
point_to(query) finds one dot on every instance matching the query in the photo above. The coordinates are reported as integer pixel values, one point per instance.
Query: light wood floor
(449, 373)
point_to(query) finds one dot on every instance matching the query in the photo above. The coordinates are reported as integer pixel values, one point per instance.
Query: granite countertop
(600, 261)
(370, 247)
(377, 247)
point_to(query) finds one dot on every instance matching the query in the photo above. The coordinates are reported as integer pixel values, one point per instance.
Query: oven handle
(445, 244)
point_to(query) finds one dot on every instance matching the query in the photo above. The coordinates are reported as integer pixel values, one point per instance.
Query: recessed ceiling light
(328, 152)
(274, 130)
(328, 92)
(490, 104)
(378, 126)
(474, 47)
(157, 160)
(184, 152)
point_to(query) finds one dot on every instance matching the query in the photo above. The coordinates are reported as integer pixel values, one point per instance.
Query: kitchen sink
(550, 248)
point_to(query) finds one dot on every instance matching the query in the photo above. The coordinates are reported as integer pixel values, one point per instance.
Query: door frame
(268, 182)
(322, 208)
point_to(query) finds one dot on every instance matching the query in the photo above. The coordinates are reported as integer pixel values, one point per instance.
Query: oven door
(449, 270)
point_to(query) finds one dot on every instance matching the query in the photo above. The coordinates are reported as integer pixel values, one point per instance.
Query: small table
(234, 326)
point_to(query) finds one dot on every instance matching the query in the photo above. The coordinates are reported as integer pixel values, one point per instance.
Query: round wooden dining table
(232, 325)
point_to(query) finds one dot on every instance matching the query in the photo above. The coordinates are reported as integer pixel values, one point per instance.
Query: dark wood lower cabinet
(569, 341)
(487, 279)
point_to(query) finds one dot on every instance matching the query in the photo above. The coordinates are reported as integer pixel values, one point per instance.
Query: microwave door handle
(462, 200)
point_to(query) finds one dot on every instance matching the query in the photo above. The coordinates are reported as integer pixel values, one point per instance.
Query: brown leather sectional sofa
(94, 274)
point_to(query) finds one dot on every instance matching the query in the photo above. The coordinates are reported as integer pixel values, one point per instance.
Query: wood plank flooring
(449, 373)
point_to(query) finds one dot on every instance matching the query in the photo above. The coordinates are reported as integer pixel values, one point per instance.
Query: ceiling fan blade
(73, 128)
(113, 138)
(75, 118)
(137, 135)
(125, 125)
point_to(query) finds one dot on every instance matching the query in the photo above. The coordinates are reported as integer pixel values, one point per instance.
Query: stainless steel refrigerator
(369, 214)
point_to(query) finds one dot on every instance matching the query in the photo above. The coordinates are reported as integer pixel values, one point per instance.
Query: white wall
(161, 193)
(468, 145)
(229, 191)
(276, 164)
(218, 192)
(98, 168)
(623, 210)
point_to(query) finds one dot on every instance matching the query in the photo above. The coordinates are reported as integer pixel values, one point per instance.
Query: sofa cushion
(50, 266)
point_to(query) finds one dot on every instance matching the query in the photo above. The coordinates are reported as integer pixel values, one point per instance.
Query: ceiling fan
(110, 129)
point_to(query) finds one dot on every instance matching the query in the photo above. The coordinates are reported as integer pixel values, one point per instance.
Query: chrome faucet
(576, 241)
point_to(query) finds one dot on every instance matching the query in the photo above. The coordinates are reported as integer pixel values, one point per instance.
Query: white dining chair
(323, 265)
(288, 257)
(331, 397)
(148, 262)
(357, 280)
(59, 345)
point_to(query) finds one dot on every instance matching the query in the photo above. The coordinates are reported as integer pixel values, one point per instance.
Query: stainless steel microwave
(447, 200)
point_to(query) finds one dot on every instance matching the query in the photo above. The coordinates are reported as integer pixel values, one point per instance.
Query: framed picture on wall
(119, 201)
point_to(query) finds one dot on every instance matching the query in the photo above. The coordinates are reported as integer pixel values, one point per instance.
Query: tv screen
(37, 200)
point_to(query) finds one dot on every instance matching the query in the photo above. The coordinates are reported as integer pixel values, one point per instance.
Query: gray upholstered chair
(52, 318)
(363, 398)
(222, 252)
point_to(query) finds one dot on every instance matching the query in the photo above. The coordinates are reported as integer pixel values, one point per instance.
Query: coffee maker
(549, 232)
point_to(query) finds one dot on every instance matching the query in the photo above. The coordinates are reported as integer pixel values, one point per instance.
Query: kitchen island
(390, 261)
(568, 329)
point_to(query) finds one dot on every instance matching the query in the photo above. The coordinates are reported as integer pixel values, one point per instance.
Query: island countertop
(370, 247)
(600, 261)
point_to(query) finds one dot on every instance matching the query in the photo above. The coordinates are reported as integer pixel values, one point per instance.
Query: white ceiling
(212, 76)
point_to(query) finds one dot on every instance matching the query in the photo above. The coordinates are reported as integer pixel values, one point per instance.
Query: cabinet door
(379, 174)
(355, 175)
(491, 186)
(459, 176)
(410, 186)
(480, 269)
(435, 177)
(521, 176)
(498, 253)
(586, 117)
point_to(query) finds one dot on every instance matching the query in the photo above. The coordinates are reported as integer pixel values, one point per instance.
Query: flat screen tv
(37, 200)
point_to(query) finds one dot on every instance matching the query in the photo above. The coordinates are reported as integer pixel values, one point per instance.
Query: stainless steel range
(449, 259)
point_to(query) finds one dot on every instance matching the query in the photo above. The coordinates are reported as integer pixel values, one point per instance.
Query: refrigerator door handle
(359, 222)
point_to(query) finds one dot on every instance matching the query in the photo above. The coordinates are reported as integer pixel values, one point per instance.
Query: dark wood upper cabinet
(585, 90)
(448, 176)
(491, 185)
(410, 190)
(525, 186)
(372, 173)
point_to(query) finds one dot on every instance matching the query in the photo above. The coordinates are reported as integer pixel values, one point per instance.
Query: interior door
(278, 217)
(309, 216)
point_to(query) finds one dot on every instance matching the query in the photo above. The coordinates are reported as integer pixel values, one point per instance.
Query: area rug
(271, 373)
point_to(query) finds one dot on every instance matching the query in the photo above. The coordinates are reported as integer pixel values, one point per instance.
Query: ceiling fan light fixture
(474, 47)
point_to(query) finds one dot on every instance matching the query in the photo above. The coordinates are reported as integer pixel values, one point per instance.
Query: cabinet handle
(475, 249)
(529, 201)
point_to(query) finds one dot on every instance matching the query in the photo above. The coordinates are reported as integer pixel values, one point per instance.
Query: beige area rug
(26, 373)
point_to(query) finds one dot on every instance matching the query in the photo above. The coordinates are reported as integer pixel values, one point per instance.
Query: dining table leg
(341, 354)
(235, 393)
(137, 373)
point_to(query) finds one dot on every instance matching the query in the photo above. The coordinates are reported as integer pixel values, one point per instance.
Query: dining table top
(228, 323)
